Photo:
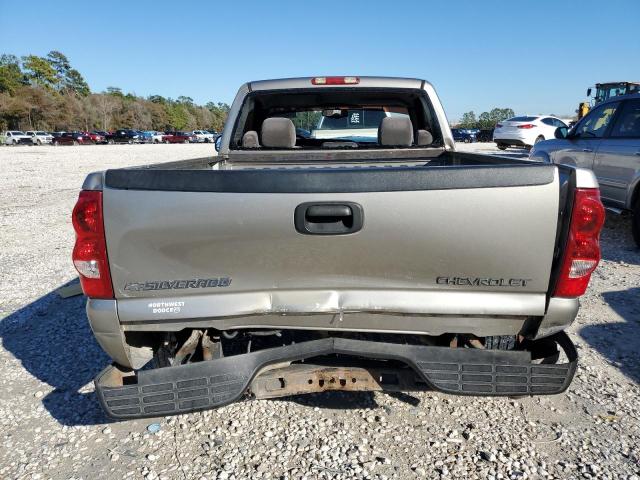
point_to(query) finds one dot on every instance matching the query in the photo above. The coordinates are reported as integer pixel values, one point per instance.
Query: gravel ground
(52, 427)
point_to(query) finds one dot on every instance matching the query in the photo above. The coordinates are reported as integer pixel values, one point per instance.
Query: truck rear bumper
(214, 383)
(110, 332)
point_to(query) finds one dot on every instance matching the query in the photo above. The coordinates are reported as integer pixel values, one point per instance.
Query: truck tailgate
(438, 241)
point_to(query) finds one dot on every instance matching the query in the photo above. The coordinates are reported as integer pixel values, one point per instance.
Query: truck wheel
(110, 142)
(167, 142)
(130, 142)
(500, 342)
(539, 139)
(635, 223)
(502, 146)
(75, 143)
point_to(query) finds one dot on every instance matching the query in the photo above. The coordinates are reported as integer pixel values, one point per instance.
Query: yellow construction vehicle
(604, 91)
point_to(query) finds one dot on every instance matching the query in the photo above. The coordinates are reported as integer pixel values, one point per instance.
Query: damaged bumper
(214, 383)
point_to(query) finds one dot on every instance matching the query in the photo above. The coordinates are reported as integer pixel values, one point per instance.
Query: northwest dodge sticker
(166, 307)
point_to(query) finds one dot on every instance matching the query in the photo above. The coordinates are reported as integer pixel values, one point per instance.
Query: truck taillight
(335, 80)
(582, 252)
(90, 249)
(527, 125)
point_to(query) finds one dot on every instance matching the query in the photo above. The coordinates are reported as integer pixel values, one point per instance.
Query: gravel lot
(52, 427)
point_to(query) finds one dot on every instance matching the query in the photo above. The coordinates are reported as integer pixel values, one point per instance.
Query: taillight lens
(90, 249)
(526, 125)
(582, 252)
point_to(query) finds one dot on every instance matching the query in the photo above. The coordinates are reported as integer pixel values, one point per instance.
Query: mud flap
(214, 383)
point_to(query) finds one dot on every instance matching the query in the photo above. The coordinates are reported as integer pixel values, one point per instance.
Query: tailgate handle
(329, 211)
(328, 218)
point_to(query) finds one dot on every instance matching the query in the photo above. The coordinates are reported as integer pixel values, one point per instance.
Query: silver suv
(607, 140)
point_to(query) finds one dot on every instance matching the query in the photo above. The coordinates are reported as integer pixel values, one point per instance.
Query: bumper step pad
(214, 383)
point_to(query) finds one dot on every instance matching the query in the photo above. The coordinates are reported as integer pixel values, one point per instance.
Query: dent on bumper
(104, 322)
(560, 314)
(109, 332)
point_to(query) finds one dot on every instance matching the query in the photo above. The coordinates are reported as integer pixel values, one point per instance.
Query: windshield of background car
(355, 124)
(595, 124)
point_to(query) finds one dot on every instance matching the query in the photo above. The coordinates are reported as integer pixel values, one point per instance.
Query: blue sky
(535, 57)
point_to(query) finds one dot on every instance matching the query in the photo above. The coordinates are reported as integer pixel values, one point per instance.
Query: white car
(157, 137)
(15, 137)
(202, 136)
(39, 137)
(525, 131)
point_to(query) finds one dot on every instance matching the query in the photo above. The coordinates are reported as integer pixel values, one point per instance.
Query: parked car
(72, 138)
(525, 131)
(157, 137)
(177, 137)
(607, 141)
(145, 136)
(40, 137)
(334, 274)
(463, 135)
(485, 135)
(202, 136)
(123, 136)
(100, 133)
(16, 137)
(96, 137)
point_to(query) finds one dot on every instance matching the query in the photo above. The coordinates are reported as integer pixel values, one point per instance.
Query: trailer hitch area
(299, 379)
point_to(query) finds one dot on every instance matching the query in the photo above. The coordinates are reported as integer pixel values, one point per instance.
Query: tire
(539, 139)
(186, 141)
(39, 142)
(502, 146)
(55, 143)
(130, 142)
(75, 143)
(166, 142)
(635, 222)
(466, 140)
(110, 142)
(500, 342)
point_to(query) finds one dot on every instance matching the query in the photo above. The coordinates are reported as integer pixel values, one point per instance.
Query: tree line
(486, 119)
(47, 93)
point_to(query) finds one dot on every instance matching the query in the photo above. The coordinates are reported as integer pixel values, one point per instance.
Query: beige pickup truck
(291, 263)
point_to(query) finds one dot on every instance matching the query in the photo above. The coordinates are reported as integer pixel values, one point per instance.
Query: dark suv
(123, 136)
